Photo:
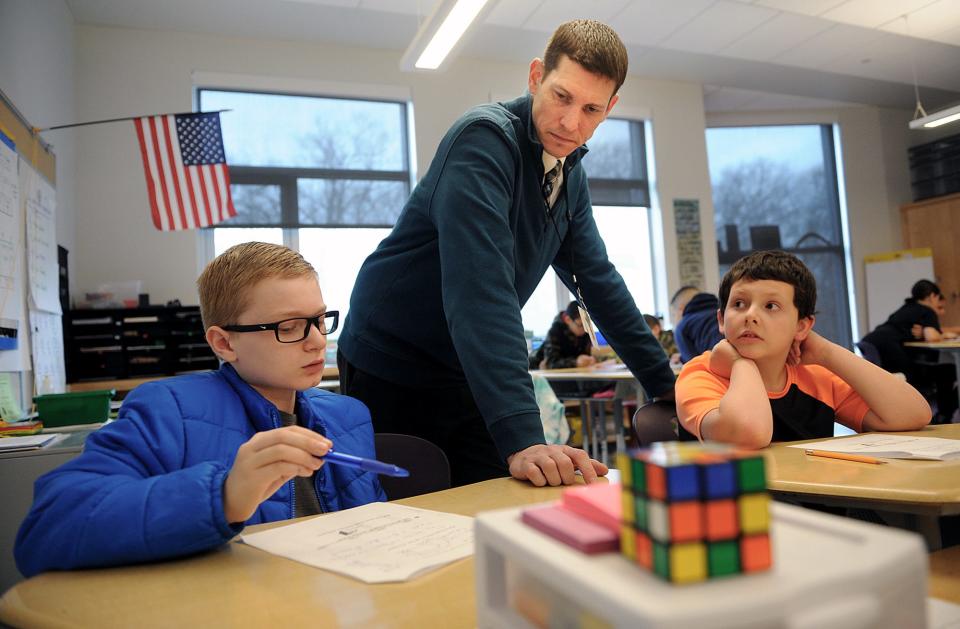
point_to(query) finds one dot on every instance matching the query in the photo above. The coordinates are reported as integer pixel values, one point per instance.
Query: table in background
(920, 492)
(240, 586)
(330, 380)
(950, 349)
(594, 432)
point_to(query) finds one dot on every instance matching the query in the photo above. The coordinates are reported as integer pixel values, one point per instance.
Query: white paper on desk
(890, 446)
(376, 543)
(28, 442)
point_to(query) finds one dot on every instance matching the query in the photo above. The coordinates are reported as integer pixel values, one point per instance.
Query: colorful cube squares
(754, 513)
(721, 520)
(695, 511)
(755, 553)
(720, 480)
(686, 521)
(723, 558)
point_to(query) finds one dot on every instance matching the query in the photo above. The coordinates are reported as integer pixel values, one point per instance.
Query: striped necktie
(548, 180)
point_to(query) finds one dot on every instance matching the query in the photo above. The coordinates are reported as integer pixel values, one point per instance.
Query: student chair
(428, 465)
(657, 421)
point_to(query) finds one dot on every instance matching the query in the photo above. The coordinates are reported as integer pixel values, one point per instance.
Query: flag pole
(83, 124)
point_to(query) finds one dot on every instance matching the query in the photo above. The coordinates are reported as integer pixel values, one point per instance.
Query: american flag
(186, 170)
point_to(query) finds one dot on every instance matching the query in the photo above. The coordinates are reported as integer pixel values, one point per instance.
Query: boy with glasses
(192, 459)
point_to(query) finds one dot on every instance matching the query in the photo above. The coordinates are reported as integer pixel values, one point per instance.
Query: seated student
(774, 378)
(567, 343)
(917, 320)
(695, 329)
(665, 337)
(192, 459)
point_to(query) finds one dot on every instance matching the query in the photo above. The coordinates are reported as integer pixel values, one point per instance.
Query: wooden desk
(945, 574)
(585, 373)
(239, 586)
(920, 491)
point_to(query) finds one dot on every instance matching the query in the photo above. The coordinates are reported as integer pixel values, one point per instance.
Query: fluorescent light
(937, 119)
(440, 33)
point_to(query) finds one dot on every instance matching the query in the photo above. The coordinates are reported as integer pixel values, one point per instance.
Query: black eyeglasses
(293, 330)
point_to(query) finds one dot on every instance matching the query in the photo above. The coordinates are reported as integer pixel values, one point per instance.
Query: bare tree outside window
(776, 188)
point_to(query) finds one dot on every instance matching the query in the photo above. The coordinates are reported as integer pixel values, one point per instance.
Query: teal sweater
(438, 303)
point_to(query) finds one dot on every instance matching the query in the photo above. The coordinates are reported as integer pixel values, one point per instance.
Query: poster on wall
(686, 216)
(14, 356)
(49, 374)
(39, 199)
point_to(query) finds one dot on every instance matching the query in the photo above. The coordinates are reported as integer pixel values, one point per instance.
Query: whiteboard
(890, 276)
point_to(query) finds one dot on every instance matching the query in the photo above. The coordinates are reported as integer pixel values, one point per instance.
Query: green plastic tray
(67, 409)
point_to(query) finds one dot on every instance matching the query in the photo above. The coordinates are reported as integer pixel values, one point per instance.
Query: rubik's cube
(693, 512)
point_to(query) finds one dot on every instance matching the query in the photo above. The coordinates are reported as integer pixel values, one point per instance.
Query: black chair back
(656, 421)
(428, 465)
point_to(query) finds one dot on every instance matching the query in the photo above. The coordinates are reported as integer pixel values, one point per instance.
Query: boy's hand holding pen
(267, 461)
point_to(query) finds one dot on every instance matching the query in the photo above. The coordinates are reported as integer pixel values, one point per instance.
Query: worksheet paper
(891, 446)
(377, 543)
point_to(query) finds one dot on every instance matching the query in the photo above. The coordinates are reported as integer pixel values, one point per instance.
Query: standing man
(434, 343)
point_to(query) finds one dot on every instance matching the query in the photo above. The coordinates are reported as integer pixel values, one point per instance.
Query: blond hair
(226, 282)
(593, 45)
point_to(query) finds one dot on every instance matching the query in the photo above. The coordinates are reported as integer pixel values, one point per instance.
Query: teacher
(433, 343)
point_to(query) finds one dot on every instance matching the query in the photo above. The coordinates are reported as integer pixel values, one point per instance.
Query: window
(775, 187)
(325, 176)
(616, 168)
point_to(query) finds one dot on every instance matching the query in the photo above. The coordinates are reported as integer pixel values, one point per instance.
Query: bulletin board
(30, 321)
(890, 276)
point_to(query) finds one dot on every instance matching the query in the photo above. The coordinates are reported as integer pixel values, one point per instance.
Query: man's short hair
(681, 292)
(225, 284)
(573, 310)
(593, 45)
(774, 265)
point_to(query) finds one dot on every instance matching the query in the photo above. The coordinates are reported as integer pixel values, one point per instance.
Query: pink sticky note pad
(600, 503)
(571, 529)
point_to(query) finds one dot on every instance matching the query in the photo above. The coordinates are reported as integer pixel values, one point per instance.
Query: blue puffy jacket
(149, 486)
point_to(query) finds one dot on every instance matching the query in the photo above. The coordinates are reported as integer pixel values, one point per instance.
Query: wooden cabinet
(935, 223)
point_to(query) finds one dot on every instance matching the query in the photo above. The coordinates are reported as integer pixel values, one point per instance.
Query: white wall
(874, 145)
(124, 72)
(37, 74)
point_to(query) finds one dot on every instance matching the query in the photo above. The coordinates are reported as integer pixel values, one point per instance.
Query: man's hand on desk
(554, 465)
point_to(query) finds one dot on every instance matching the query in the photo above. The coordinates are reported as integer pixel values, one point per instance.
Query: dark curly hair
(774, 265)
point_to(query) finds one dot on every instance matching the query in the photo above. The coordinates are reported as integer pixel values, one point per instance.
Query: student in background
(665, 337)
(567, 343)
(917, 320)
(695, 322)
(774, 378)
(192, 459)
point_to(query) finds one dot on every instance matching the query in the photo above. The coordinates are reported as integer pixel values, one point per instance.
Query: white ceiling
(750, 54)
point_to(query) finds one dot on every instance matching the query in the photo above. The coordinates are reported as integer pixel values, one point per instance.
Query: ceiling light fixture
(936, 119)
(439, 33)
(921, 119)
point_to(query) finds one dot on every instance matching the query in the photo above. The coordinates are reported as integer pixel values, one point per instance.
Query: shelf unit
(122, 343)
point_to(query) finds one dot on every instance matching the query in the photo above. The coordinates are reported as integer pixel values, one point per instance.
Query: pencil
(860, 458)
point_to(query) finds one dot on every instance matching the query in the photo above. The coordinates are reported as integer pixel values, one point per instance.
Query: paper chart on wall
(14, 355)
(40, 201)
(46, 336)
